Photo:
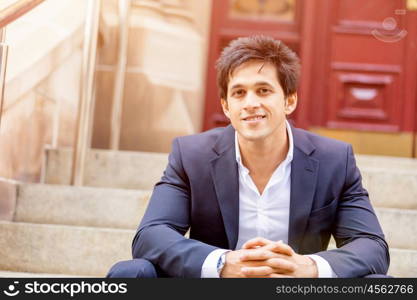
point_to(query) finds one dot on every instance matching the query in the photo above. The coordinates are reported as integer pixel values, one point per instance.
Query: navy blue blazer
(199, 190)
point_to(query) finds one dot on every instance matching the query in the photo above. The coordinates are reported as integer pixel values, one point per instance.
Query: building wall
(164, 82)
(163, 93)
(42, 85)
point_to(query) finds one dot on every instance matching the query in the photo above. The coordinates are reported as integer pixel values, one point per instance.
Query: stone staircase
(63, 231)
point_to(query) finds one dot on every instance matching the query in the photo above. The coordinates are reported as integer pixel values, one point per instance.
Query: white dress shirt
(265, 215)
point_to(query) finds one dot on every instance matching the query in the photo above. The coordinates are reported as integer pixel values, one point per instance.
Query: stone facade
(42, 85)
(164, 80)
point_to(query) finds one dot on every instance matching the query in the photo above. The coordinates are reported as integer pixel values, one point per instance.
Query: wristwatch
(220, 263)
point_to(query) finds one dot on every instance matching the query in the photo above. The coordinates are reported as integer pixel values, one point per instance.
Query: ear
(290, 103)
(225, 107)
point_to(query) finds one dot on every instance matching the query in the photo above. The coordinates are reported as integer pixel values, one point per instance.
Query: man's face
(256, 105)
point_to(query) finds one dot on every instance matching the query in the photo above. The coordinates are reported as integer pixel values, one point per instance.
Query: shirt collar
(290, 153)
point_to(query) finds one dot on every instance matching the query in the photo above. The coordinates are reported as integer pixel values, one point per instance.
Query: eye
(238, 93)
(264, 91)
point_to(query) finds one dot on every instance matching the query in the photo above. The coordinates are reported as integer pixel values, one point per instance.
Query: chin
(253, 135)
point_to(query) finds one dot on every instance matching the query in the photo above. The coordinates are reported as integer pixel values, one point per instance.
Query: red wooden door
(365, 70)
(359, 65)
(281, 19)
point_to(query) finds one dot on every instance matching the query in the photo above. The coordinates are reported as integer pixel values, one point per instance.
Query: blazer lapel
(304, 171)
(226, 183)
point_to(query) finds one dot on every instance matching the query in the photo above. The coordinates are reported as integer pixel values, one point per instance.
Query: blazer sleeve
(362, 249)
(160, 236)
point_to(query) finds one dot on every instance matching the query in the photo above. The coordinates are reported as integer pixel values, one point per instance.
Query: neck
(264, 156)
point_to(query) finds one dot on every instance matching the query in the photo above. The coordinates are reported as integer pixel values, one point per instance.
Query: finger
(281, 264)
(275, 275)
(257, 271)
(256, 254)
(256, 242)
(279, 247)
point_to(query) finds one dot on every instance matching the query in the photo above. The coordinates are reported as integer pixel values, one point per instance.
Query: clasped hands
(263, 258)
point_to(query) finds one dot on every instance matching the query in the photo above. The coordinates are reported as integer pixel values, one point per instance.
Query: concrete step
(388, 162)
(81, 251)
(59, 249)
(117, 208)
(82, 206)
(390, 181)
(9, 274)
(399, 227)
(403, 262)
(104, 168)
(394, 188)
(388, 185)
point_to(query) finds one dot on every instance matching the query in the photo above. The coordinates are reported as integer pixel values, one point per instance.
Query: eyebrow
(259, 83)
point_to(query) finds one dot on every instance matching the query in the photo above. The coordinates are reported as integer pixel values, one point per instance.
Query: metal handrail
(16, 9)
(3, 63)
(8, 13)
(13, 9)
(87, 101)
(124, 12)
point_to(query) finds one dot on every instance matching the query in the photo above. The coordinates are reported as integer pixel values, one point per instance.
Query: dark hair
(263, 48)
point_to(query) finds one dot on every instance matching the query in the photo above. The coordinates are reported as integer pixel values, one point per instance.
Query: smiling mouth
(253, 118)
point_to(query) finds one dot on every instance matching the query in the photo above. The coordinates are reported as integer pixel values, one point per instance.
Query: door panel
(280, 19)
(369, 78)
(359, 66)
(365, 72)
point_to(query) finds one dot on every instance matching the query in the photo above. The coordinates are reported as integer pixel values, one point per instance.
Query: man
(260, 197)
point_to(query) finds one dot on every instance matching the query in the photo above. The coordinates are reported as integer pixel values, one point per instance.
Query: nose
(252, 101)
